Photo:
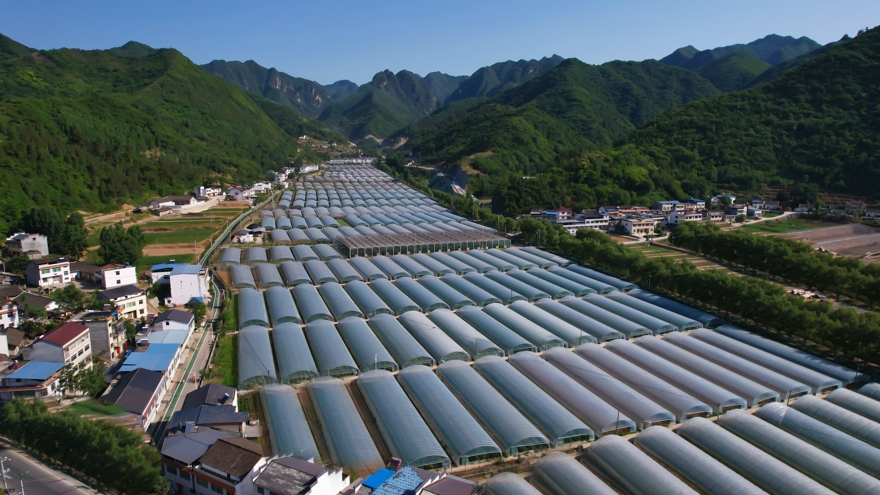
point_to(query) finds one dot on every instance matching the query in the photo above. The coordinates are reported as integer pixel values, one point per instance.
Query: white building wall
(187, 286)
(9, 316)
(116, 277)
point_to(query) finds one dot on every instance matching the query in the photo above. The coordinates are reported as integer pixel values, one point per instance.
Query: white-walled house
(187, 282)
(174, 319)
(130, 299)
(229, 467)
(46, 272)
(115, 275)
(70, 344)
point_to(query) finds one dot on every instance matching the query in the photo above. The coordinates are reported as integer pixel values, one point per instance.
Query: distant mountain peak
(133, 49)
(773, 49)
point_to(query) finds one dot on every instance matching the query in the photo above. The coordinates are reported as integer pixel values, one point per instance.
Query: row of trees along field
(791, 260)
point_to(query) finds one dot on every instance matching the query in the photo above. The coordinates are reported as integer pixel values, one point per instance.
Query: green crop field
(94, 407)
(179, 236)
(787, 225)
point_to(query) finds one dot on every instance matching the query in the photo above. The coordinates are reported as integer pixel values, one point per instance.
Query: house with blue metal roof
(187, 282)
(31, 379)
(160, 273)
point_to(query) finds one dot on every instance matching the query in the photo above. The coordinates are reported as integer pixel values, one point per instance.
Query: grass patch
(225, 367)
(95, 408)
(155, 260)
(179, 236)
(246, 403)
(787, 225)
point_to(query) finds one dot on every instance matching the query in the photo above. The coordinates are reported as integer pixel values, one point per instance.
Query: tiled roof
(134, 391)
(177, 315)
(210, 394)
(121, 291)
(65, 333)
(289, 476)
(188, 447)
(234, 456)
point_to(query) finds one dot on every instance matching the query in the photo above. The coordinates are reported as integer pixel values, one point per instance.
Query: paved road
(39, 480)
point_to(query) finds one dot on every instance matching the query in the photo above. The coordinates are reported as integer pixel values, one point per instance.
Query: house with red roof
(69, 344)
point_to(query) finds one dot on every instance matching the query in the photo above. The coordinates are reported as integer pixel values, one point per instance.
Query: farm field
(783, 226)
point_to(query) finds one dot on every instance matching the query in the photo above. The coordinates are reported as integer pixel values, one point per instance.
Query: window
(184, 475)
(260, 490)
(141, 301)
(229, 493)
(80, 353)
(171, 469)
(44, 272)
(201, 482)
(86, 347)
(216, 489)
(118, 282)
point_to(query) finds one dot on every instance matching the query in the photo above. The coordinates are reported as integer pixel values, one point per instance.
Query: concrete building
(106, 332)
(680, 217)
(161, 273)
(9, 310)
(30, 245)
(755, 212)
(772, 206)
(69, 344)
(168, 201)
(14, 338)
(212, 394)
(291, 476)
(114, 275)
(32, 379)
(187, 282)
(555, 215)
(229, 466)
(240, 193)
(181, 454)
(639, 227)
(665, 206)
(593, 219)
(46, 272)
(138, 393)
(713, 216)
(174, 319)
(129, 299)
(208, 192)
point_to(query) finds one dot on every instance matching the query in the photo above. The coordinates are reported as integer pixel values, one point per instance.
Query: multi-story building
(169, 201)
(30, 245)
(181, 453)
(69, 344)
(592, 219)
(639, 227)
(138, 393)
(46, 272)
(129, 299)
(555, 215)
(665, 206)
(9, 310)
(32, 379)
(208, 192)
(229, 467)
(114, 275)
(291, 476)
(173, 319)
(713, 216)
(187, 282)
(106, 332)
(680, 217)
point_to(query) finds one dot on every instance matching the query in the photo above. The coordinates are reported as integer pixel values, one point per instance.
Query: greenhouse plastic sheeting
(294, 273)
(295, 361)
(251, 309)
(560, 426)
(396, 300)
(508, 426)
(784, 386)
(435, 266)
(871, 390)
(621, 327)
(298, 223)
(339, 302)
(842, 419)
(410, 265)
(310, 303)
(297, 235)
(316, 236)
(805, 359)
(367, 269)
(516, 261)
(692, 464)
(242, 277)
(522, 288)
(255, 255)
(754, 393)
(504, 294)
(345, 434)
(478, 265)
(392, 269)
(280, 237)
(332, 233)
(319, 272)
(289, 431)
(599, 332)
(524, 327)
(821, 466)
(617, 283)
(327, 252)
(676, 401)
(559, 260)
(408, 437)
(314, 222)
(255, 363)
(457, 266)
(681, 323)
(269, 276)
(498, 263)
(466, 336)
(825, 437)
(818, 382)
(366, 348)
(420, 295)
(575, 288)
(536, 260)
(469, 290)
(268, 223)
(595, 285)
(656, 325)
(855, 402)
(631, 470)
(633, 404)
(701, 389)
(457, 429)
(508, 484)
(554, 290)
(560, 474)
(303, 253)
(708, 321)
(331, 355)
(508, 340)
(280, 254)
(447, 293)
(230, 256)
(567, 332)
(600, 416)
(329, 222)
(281, 306)
(282, 223)
(343, 271)
(367, 300)
(433, 339)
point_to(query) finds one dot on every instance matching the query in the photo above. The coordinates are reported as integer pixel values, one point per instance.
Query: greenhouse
(805, 359)
(408, 437)
(618, 284)
(393, 297)
(295, 361)
(466, 336)
(693, 465)
(478, 265)
(255, 363)
(316, 236)
(341, 306)
(508, 484)
(871, 390)
(314, 222)
(310, 304)
(630, 469)
(529, 292)
(367, 300)
(380, 229)
(436, 267)
(367, 269)
(531, 258)
(516, 261)
(821, 466)
(410, 265)
(385, 220)
(280, 237)
(319, 272)
(842, 419)
(784, 386)
(280, 254)
(434, 340)
(282, 223)
(630, 402)
(278, 213)
(269, 276)
(266, 213)
(345, 434)
(575, 288)
(268, 223)
(452, 297)
(298, 223)
(369, 220)
(329, 222)
(708, 321)
(298, 236)
(392, 269)
(572, 335)
(468, 290)
(682, 323)
(251, 309)
(600, 416)
(560, 426)
(457, 266)
(504, 294)
(524, 327)
(242, 277)
(515, 433)
(498, 263)
(331, 355)
(230, 256)
(294, 273)
(597, 330)
(405, 349)
(367, 350)
(327, 252)
(281, 306)
(255, 255)
(553, 290)
(617, 315)
(508, 340)
(303, 253)
(560, 474)
(596, 286)
(559, 260)
(855, 402)
(620, 326)
(420, 295)
(289, 432)
(819, 383)
(343, 271)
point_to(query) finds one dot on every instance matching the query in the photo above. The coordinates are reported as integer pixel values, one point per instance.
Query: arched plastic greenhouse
(310, 304)
(339, 302)
(281, 306)
(420, 295)
(597, 330)
(331, 355)
(400, 343)
(269, 276)
(522, 326)
(289, 431)
(255, 363)
(295, 361)
(569, 333)
(560, 474)
(396, 300)
(294, 273)
(242, 277)
(432, 338)
(365, 347)
(251, 309)
(466, 336)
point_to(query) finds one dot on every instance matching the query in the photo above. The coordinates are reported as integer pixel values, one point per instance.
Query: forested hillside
(733, 71)
(491, 80)
(772, 49)
(91, 130)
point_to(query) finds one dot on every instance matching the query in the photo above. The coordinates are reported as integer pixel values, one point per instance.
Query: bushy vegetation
(66, 235)
(120, 245)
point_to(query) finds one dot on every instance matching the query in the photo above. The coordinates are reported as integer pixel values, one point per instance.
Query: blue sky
(331, 40)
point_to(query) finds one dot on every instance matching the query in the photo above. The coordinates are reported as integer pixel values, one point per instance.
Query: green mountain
(91, 130)
(772, 49)
(10, 48)
(341, 90)
(132, 49)
(442, 85)
(306, 97)
(491, 80)
(733, 71)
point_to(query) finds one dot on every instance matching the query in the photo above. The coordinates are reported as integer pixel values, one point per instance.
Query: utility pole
(21, 480)
(539, 239)
(3, 473)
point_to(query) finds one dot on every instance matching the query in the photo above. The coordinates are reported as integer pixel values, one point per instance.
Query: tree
(75, 241)
(66, 236)
(68, 380)
(91, 381)
(659, 229)
(17, 264)
(121, 246)
(198, 308)
(71, 295)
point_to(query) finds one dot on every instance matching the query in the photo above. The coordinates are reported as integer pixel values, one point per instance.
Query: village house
(592, 219)
(208, 192)
(31, 379)
(115, 275)
(169, 201)
(173, 319)
(639, 227)
(106, 332)
(680, 217)
(138, 393)
(229, 466)
(129, 299)
(31, 245)
(69, 344)
(9, 309)
(187, 282)
(46, 272)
